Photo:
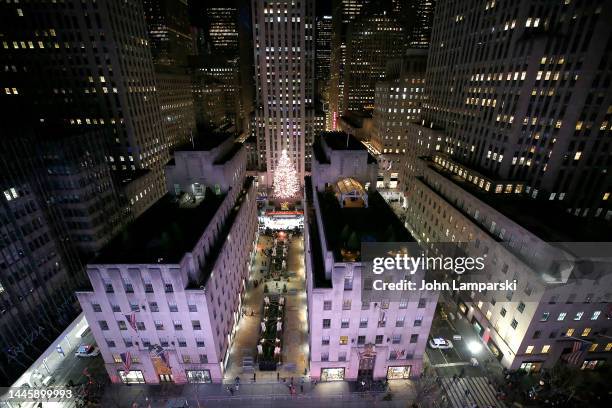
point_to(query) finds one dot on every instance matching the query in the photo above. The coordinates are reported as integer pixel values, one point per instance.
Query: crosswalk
(480, 393)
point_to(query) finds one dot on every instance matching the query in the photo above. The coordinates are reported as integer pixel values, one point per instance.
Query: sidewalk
(272, 395)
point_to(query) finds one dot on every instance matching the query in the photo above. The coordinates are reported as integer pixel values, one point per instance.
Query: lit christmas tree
(286, 183)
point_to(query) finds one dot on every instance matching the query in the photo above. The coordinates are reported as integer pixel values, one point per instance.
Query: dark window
(116, 308)
(514, 323)
(203, 359)
(168, 288)
(196, 325)
(140, 326)
(153, 306)
(182, 343)
(200, 343)
(422, 303)
(379, 339)
(103, 324)
(521, 307)
(326, 323)
(148, 288)
(193, 308)
(414, 338)
(327, 305)
(122, 325)
(360, 339)
(110, 343)
(503, 311)
(96, 307)
(129, 288)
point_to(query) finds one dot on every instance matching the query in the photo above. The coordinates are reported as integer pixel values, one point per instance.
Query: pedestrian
(302, 388)
(277, 376)
(231, 390)
(254, 375)
(291, 380)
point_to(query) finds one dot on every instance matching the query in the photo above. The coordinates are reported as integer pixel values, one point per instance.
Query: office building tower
(39, 269)
(165, 295)
(79, 182)
(322, 67)
(343, 13)
(216, 90)
(283, 33)
(512, 133)
(526, 106)
(350, 336)
(555, 305)
(420, 20)
(169, 31)
(225, 37)
(373, 38)
(106, 81)
(176, 102)
(222, 29)
(398, 100)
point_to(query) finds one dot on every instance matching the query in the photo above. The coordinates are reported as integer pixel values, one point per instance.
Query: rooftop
(162, 234)
(222, 234)
(338, 140)
(375, 223)
(545, 219)
(318, 265)
(204, 141)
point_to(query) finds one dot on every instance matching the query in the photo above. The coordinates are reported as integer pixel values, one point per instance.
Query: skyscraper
(169, 32)
(524, 104)
(513, 151)
(84, 66)
(283, 33)
(398, 102)
(39, 268)
(373, 38)
(322, 66)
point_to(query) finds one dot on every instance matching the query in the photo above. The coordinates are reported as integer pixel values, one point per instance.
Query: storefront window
(531, 367)
(198, 376)
(398, 373)
(592, 364)
(332, 374)
(132, 377)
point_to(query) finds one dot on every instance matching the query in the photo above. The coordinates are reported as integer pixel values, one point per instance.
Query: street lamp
(474, 347)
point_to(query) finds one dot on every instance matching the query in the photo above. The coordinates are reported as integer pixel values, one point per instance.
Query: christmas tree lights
(286, 183)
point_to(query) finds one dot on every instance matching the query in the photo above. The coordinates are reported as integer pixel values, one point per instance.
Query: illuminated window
(529, 350)
(586, 331)
(569, 332)
(545, 348)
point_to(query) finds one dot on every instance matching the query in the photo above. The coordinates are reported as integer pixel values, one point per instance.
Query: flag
(127, 360)
(576, 356)
(165, 356)
(132, 320)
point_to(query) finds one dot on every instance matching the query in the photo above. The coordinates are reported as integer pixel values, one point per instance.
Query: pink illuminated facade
(166, 295)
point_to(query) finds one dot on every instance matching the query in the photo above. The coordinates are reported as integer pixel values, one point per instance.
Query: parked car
(87, 350)
(440, 343)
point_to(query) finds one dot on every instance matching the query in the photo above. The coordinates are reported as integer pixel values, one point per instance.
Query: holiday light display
(286, 183)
